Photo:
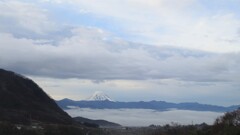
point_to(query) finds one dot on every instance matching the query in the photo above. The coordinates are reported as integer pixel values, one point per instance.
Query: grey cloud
(87, 55)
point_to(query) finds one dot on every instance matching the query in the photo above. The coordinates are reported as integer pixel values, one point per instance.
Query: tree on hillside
(230, 119)
(228, 124)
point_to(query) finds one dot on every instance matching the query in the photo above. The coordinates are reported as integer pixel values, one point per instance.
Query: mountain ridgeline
(105, 102)
(23, 101)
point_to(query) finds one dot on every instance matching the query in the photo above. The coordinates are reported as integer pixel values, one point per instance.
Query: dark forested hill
(23, 101)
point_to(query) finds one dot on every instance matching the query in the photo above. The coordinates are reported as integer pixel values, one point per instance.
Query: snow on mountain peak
(99, 96)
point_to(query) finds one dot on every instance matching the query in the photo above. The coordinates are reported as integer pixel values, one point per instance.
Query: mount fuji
(99, 96)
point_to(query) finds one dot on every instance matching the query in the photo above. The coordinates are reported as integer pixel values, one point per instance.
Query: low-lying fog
(145, 117)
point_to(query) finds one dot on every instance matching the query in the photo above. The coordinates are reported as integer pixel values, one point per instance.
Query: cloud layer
(126, 44)
(90, 55)
(197, 24)
(146, 117)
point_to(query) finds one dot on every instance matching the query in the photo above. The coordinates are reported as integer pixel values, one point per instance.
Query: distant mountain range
(102, 101)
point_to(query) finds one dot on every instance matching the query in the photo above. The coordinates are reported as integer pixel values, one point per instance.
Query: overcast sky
(172, 50)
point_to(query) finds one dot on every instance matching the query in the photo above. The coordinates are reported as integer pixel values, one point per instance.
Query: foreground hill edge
(23, 101)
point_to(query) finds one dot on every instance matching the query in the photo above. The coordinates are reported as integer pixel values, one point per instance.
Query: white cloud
(22, 16)
(188, 23)
(217, 34)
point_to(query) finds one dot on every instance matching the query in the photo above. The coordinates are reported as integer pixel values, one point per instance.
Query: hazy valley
(26, 109)
(146, 117)
(133, 114)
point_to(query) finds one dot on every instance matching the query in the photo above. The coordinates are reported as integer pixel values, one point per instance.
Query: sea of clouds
(146, 117)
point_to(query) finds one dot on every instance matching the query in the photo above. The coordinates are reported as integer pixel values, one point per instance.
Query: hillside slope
(23, 101)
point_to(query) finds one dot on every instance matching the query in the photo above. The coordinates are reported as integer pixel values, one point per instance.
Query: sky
(171, 50)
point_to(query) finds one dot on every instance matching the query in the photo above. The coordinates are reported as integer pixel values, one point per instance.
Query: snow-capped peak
(99, 96)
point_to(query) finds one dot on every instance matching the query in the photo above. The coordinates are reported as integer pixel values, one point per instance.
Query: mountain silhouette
(23, 101)
(155, 105)
(99, 96)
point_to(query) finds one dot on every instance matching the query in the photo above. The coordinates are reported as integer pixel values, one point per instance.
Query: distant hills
(105, 103)
(23, 101)
(101, 123)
